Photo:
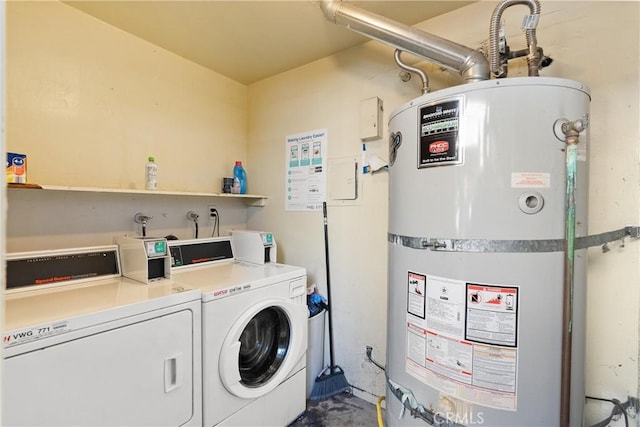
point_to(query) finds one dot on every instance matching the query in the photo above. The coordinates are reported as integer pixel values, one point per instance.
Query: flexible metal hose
(497, 69)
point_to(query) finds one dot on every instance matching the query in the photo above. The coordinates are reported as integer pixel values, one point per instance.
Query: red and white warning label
(530, 180)
(462, 338)
(416, 290)
(492, 314)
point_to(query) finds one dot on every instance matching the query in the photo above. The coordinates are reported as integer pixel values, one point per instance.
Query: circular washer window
(264, 343)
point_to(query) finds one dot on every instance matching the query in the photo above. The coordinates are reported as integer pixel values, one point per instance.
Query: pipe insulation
(470, 63)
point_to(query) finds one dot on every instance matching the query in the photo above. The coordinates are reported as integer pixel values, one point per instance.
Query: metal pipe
(572, 136)
(142, 219)
(533, 58)
(470, 63)
(409, 68)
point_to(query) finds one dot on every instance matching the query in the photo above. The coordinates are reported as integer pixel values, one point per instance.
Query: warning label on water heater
(492, 314)
(438, 134)
(462, 338)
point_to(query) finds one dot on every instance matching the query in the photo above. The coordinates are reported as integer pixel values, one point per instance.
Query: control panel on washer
(144, 259)
(257, 247)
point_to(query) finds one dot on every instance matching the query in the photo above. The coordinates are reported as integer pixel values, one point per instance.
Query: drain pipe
(533, 58)
(470, 63)
(410, 69)
(572, 131)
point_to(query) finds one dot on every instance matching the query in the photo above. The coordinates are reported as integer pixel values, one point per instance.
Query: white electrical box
(371, 119)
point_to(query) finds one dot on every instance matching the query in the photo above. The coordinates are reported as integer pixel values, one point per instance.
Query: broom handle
(330, 309)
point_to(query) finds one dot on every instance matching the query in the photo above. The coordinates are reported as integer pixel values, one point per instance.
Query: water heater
(476, 256)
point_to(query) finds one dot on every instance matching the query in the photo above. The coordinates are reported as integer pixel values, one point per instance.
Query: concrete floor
(340, 410)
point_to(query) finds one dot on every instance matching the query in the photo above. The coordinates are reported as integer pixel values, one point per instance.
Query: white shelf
(249, 199)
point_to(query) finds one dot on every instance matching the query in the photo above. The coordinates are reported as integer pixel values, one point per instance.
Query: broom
(331, 380)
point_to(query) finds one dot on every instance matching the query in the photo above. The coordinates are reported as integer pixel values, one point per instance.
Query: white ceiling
(249, 40)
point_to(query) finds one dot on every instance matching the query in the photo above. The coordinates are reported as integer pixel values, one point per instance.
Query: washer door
(262, 347)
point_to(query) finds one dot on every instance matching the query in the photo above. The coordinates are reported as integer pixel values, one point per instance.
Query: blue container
(239, 179)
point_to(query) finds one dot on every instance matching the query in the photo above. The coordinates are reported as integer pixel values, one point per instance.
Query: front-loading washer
(84, 346)
(254, 334)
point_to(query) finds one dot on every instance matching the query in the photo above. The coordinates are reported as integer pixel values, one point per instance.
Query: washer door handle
(173, 374)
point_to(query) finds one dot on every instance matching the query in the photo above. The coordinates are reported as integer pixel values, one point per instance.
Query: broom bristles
(329, 384)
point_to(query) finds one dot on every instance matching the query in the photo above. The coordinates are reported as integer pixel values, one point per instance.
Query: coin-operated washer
(254, 329)
(85, 346)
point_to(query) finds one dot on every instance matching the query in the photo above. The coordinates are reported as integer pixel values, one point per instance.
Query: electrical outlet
(213, 212)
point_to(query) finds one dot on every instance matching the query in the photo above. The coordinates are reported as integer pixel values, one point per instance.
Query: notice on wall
(462, 338)
(306, 171)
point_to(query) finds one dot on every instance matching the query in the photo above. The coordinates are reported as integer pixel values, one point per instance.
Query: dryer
(254, 334)
(85, 346)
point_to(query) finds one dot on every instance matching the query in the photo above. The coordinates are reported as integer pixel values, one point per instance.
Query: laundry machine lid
(228, 278)
(262, 347)
(32, 315)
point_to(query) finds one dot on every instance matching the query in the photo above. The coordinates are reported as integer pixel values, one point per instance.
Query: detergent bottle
(239, 179)
(151, 174)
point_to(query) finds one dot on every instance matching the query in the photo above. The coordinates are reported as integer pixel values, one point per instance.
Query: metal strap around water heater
(516, 246)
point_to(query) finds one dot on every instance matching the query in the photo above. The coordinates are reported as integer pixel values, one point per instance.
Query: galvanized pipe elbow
(329, 8)
(475, 67)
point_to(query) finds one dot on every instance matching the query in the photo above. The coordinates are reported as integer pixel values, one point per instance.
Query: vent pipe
(471, 64)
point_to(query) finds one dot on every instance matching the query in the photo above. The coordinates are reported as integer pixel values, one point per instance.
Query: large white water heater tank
(476, 261)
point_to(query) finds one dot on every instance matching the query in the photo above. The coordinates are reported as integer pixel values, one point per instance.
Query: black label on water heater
(438, 134)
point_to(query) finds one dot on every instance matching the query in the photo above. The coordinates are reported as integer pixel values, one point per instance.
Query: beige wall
(3, 193)
(88, 103)
(593, 42)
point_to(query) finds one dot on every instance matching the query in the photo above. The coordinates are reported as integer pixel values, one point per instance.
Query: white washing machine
(254, 334)
(86, 347)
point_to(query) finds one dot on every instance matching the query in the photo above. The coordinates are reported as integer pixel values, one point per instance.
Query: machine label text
(31, 334)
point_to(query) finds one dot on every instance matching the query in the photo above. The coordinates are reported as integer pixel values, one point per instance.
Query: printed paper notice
(492, 314)
(465, 344)
(445, 303)
(416, 297)
(306, 179)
